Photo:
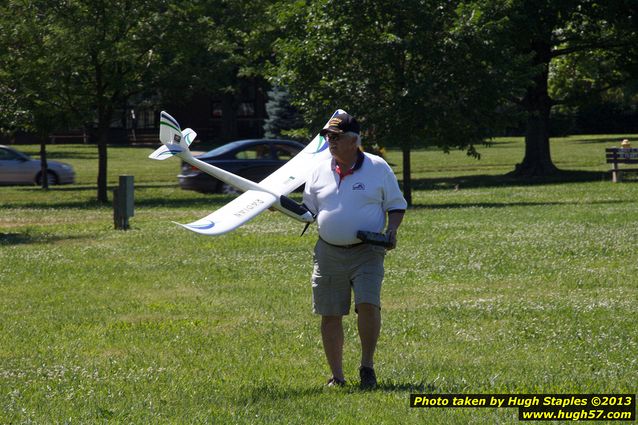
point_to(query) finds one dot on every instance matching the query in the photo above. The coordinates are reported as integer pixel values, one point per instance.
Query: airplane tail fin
(174, 140)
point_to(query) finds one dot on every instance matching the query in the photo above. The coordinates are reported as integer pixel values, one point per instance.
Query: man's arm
(395, 217)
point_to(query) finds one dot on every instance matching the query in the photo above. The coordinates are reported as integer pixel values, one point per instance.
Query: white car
(18, 168)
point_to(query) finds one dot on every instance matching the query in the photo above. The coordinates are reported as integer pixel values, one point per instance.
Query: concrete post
(123, 203)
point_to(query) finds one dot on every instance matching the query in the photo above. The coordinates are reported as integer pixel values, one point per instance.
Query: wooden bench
(616, 156)
(69, 137)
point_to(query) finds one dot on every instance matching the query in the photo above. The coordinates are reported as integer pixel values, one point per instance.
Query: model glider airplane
(257, 197)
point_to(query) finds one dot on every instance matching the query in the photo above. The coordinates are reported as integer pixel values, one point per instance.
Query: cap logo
(334, 122)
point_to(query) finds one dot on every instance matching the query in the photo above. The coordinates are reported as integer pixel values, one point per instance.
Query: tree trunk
(407, 179)
(538, 161)
(102, 195)
(44, 166)
(104, 115)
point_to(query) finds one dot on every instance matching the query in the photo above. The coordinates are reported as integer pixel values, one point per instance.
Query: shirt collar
(357, 164)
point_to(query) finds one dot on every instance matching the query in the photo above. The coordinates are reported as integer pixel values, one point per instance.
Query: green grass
(495, 288)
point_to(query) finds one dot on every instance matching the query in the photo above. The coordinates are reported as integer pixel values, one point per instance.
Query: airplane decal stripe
(168, 124)
(170, 152)
(324, 146)
(206, 226)
(170, 119)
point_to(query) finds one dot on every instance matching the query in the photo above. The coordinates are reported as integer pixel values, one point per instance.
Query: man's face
(341, 145)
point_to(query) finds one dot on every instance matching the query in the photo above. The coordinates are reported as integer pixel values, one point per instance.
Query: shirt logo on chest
(358, 186)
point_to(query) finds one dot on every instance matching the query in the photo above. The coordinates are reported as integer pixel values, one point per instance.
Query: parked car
(18, 168)
(253, 159)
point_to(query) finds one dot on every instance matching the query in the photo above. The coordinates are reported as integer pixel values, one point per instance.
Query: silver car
(18, 168)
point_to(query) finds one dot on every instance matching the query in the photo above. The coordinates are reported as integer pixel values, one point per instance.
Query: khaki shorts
(340, 271)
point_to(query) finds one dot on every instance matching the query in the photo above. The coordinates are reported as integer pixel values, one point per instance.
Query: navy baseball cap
(341, 123)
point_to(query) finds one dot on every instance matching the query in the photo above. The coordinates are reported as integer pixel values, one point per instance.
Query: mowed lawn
(496, 287)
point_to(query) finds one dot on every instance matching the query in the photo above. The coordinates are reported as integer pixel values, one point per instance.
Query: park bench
(68, 137)
(617, 156)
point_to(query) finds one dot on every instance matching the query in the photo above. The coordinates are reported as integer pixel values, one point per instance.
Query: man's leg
(332, 336)
(369, 324)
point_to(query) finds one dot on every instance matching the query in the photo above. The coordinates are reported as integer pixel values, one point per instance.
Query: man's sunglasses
(334, 136)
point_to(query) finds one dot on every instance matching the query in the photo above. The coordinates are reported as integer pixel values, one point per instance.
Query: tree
(406, 70)
(283, 118)
(81, 60)
(210, 47)
(26, 101)
(85, 59)
(568, 50)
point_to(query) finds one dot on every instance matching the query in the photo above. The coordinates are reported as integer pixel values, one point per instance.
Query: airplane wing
(257, 197)
(232, 215)
(295, 172)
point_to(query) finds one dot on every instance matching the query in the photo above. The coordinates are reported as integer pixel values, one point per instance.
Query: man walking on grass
(351, 192)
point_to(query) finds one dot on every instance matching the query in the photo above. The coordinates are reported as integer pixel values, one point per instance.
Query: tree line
(446, 73)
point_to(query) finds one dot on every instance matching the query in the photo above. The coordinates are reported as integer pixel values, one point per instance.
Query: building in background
(216, 119)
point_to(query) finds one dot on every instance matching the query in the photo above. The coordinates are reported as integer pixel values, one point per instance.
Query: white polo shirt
(359, 201)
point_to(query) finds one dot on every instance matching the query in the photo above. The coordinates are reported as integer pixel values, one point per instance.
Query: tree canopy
(410, 73)
(79, 61)
(569, 50)
(417, 73)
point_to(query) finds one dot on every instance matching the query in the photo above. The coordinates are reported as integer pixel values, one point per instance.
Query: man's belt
(342, 246)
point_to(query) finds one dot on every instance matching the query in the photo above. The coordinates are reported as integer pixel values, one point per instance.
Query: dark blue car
(252, 159)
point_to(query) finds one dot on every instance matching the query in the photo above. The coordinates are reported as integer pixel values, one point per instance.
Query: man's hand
(392, 237)
(394, 221)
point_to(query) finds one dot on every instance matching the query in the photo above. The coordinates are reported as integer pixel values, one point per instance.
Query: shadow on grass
(507, 180)
(7, 239)
(140, 202)
(78, 205)
(148, 203)
(16, 239)
(212, 202)
(276, 392)
(513, 204)
(110, 188)
(62, 156)
(420, 387)
(216, 201)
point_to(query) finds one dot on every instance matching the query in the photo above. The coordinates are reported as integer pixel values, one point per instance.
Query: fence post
(123, 203)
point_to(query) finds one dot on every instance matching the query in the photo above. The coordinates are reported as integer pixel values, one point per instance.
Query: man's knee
(367, 309)
(331, 320)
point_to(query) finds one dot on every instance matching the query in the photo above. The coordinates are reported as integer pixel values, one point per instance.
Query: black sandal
(336, 382)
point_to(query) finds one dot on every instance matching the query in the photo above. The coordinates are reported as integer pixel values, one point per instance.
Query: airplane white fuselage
(282, 204)
(270, 193)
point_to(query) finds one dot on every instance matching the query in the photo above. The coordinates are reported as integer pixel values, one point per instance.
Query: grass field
(496, 287)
